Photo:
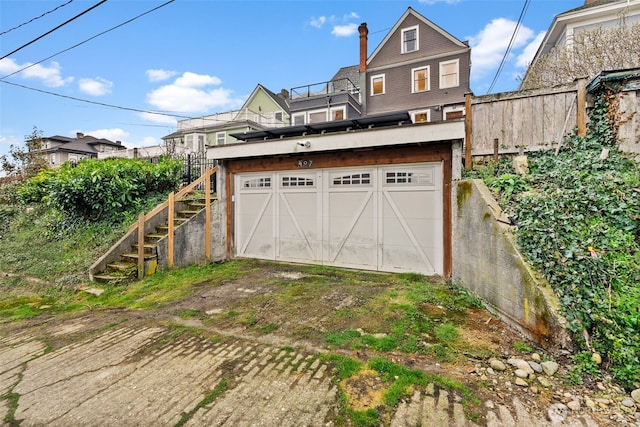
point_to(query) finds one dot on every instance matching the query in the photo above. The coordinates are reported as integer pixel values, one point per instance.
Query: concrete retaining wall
(487, 262)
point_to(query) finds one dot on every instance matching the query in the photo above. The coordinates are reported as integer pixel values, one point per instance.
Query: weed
(522, 347)
(268, 328)
(220, 388)
(447, 333)
(345, 366)
(187, 313)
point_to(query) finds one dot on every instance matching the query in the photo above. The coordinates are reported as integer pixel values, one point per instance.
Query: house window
(420, 80)
(318, 116)
(221, 138)
(298, 119)
(278, 116)
(422, 116)
(452, 113)
(337, 113)
(410, 39)
(449, 76)
(377, 85)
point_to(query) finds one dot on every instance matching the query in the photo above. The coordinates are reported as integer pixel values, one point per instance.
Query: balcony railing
(267, 119)
(326, 88)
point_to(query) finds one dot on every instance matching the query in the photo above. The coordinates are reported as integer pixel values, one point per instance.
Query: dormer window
(410, 39)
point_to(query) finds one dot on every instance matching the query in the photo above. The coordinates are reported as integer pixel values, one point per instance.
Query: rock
(628, 402)
(520, 364)
(490, 371)
(601, 387)
(497, 365)
(536, 357)
(544, 382)
(549, 367)
(534, 390)
(557, 412)
(521, 374)
(574, 405)
(635, 395)
(489, 404)
(93, 291)
(521, 165)
(535, 366)
(596, 358)
(590, 403)
(521, 382)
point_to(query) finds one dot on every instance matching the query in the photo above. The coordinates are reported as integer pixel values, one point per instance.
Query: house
(262, 109)
(591, 15)
(362, 177)
(418, 67)
(60, 149)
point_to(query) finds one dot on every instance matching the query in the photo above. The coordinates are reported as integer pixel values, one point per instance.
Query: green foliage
(345, 366)
(578, 220)
(583, 365)
(95, 189)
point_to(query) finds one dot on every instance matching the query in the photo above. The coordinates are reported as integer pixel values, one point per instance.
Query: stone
(544, 382)
(549, 367)
(521, 165)
(596, 358)
(535, 366)
(93, 291)
(520, 382)
(521, 374)
(557, 412)
(490, 371)
(574, 405)
(628, 402)
(536, 357)
(520, 364)
(590, 403)
(497, 365)
(601, 387)
(635, 395)
(534, 390)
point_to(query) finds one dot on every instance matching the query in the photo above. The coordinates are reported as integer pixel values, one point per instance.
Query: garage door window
(406, 177)
(258, 182)
(353, 179)
(296, 181)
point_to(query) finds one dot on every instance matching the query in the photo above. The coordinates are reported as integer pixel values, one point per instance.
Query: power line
(89, 39)
(102, 104)
(54, 29)
(33, 19)
(513, 37)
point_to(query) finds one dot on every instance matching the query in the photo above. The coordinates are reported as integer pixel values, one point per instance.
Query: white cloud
(527, 54)
(95, 87)
(115, 134)
(344, 30)
(49, 75)
(490, 44)
(318, 22)
(159, 118)
(352, 15)
(192, 93)
(160, 75)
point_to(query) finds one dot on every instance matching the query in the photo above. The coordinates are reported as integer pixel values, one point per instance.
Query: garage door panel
(300, 227)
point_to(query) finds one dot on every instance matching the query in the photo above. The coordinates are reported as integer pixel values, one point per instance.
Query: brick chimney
(79, 135)
(364, 32)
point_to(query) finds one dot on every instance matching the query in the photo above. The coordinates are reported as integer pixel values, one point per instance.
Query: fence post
(207, 216)
(140, 246)
(467, 130)
(581, 108)
(496, 157)
(170, 225)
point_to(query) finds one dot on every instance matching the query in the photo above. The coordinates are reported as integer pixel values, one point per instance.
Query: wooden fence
(515, 122)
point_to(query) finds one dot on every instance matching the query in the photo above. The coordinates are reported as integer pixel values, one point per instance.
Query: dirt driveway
(268, 348)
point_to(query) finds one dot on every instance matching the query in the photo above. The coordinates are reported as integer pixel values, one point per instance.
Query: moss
(464, 191)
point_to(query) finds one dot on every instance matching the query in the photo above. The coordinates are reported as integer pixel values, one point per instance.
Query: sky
(105, 72)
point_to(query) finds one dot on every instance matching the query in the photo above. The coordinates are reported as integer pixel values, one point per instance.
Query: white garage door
(386, 218)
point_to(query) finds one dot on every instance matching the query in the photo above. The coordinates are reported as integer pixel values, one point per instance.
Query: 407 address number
(305, 164)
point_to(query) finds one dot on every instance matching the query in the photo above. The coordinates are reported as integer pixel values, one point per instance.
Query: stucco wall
(487, 262)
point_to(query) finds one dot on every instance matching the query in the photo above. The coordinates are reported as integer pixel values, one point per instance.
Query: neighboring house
(590, 16)
(263, 109)
(60, 149)
(418, 67)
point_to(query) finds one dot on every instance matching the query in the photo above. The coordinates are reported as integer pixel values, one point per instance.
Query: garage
(384, 218)
(374, 198)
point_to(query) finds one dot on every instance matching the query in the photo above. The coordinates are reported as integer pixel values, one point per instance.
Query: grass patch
(224, 385)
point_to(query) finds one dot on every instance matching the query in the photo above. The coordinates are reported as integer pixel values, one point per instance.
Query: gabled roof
(351, 72)
(276, 98)
(427, 22)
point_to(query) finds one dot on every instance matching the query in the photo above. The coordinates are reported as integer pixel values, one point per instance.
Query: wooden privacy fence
(523, 121)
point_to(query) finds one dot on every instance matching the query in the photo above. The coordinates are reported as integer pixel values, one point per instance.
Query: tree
(589, 53)
(25, 162)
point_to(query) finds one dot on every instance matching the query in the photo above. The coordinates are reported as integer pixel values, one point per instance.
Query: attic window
(410, 39)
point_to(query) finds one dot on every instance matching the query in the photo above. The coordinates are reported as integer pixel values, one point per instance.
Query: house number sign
(305, 164)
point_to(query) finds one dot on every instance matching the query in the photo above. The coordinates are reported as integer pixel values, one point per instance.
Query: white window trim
(224, 138)
(413, 79)
(309, 113)
(295, 116)
(444, 63)
(455, 108)
(378, 76)
(334, 109)
(413, 115)
(402, 45)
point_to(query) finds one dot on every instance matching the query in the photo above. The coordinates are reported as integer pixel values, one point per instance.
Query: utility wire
(87, 40)
(33, 19)
(54, 29)
(102, 104)
(513, 37)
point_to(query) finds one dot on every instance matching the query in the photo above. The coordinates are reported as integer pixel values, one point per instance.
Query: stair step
(121, 265)
(111, 277)
(188, 213)
(148, 247)
(134, 256)
(154, 237)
